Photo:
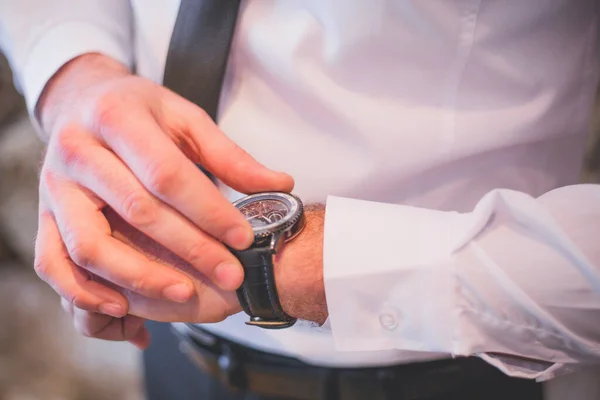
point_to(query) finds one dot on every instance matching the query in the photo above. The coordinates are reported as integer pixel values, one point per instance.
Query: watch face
(265, 212)
(270, 212)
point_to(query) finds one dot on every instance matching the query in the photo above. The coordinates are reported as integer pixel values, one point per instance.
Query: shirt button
(388, 321)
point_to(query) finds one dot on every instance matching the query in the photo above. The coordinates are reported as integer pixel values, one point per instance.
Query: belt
(245, 369)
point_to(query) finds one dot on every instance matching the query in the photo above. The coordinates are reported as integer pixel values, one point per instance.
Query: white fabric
(446, 138)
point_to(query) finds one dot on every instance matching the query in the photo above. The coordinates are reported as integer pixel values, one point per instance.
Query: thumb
(222, 157)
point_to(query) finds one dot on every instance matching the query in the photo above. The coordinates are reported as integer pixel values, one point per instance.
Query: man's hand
(119, 142)
(298, 276)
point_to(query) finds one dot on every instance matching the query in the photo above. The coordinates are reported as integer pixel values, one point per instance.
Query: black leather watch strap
(258, 294)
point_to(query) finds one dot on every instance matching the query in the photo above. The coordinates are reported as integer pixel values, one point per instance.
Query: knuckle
(48, 182)
(78, 302)
(139, 209)
(71, 298)
(140, 286)
(161, 178)
(108, 111)
(80, 250)
(42, 267)
(71, 301)
(197, 252)
(47, 177)
(68, 146)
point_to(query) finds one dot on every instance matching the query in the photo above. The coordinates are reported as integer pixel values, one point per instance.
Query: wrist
(80, 72)
(299, 271)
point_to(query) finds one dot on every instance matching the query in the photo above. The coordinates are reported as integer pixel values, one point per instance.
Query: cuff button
(388, 321)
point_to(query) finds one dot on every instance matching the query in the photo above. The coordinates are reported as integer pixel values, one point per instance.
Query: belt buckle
(232, 371)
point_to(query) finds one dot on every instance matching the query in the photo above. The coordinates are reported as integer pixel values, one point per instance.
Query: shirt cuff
(389, 278)
(59, 45)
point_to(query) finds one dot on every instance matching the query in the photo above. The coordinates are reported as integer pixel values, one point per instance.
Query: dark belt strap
(199, 51)
(271, 375)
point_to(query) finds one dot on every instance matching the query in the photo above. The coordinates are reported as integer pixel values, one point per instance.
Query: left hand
(298, 274)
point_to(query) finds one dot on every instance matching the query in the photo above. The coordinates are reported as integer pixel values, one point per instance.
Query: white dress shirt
(446, 138)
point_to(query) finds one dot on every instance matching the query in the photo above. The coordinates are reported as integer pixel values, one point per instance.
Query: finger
(53, 265)
(142, 339)
(220, 155)
(208, 305)
(99, 326)
(106, 176)
(88, 240)
(164, 170)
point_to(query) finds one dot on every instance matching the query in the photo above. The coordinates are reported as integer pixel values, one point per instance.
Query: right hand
(121, 143)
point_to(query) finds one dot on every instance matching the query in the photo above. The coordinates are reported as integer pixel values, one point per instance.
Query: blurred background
(41, 356)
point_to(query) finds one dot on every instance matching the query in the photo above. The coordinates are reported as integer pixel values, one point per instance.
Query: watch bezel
(284, 226)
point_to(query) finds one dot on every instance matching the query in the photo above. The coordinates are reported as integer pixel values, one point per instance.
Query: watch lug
(276, 243)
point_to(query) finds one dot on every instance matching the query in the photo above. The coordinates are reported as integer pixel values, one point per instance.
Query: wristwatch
(276, 218)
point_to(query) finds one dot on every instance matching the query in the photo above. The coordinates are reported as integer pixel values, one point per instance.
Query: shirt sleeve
(516, 281)
(40, 36)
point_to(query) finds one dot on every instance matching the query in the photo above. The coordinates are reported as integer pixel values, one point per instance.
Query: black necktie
(199, 51)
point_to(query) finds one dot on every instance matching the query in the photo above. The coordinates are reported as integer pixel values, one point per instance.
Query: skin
(124, 235)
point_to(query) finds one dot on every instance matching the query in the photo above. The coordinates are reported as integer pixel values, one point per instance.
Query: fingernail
(180, 292)
(228, 276)
(239, 238)
(112, 309)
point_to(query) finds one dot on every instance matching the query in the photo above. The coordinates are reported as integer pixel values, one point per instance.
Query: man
(437, 145)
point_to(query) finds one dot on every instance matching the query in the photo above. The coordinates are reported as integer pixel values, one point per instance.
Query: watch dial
(265, 212)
